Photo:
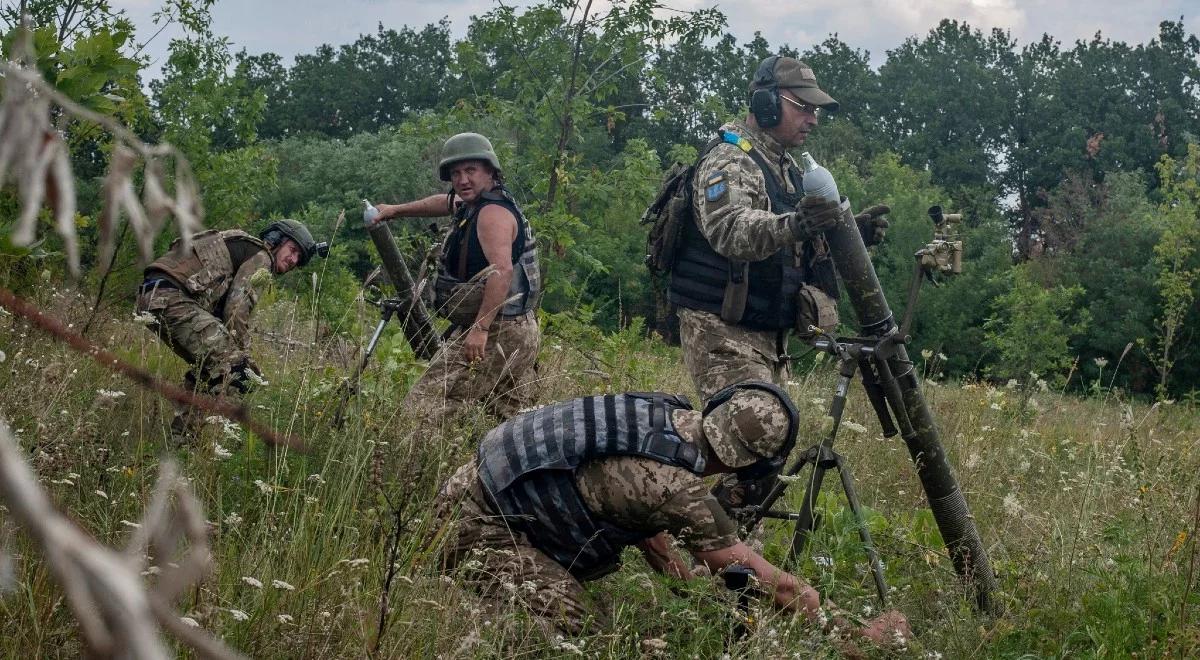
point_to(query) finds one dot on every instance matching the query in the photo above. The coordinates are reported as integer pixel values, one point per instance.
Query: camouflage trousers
(202, 340)
(501, 565)
(503, 381)
(719, 354)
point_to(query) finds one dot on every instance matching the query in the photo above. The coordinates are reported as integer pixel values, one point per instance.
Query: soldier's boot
(187, 422)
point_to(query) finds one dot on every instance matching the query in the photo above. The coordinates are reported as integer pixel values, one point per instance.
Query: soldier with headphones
(199, 297)
(752, 256)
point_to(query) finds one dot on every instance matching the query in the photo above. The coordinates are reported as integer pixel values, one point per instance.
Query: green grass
(1087, 507)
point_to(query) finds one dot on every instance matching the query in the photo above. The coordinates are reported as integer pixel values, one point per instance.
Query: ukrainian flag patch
(715, 187)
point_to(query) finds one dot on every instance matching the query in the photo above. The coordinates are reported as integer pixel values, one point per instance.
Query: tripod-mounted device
(880, 360)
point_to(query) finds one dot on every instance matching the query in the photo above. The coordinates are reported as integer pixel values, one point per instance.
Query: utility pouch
(816, 308)
(459, 301)
(737, 291)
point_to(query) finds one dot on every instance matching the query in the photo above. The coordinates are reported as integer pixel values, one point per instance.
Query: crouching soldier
(488, 286)
(557, 493)
(201, 297)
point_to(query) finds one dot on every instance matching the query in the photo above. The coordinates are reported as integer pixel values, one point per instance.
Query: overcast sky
(289, 27)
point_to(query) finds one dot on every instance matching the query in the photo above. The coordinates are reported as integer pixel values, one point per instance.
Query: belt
(152, 283)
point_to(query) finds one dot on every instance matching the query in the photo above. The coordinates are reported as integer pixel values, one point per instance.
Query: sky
(289, 27)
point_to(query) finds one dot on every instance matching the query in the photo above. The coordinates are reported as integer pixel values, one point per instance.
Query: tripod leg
(807, 521)
(864, 533)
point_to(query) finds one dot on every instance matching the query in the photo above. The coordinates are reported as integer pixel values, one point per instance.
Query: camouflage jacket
(740, 225)
(217, 270)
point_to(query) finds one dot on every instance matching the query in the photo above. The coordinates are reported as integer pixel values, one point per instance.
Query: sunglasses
(804, 107)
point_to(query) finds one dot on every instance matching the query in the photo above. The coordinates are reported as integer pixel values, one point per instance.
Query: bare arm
(793, 594)
(427, 207)
(788, 591)
(497, 229)
(663, 558)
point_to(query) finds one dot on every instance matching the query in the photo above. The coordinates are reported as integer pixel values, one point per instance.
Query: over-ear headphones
(765, 103)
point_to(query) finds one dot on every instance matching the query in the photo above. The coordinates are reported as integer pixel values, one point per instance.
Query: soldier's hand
(872, 225)
(813, 215)
(475, 342)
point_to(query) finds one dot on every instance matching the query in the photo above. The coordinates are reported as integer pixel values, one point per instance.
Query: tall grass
(1088, 508)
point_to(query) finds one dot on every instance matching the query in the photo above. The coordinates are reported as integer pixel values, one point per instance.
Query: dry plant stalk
(35, 157)
(118, 614)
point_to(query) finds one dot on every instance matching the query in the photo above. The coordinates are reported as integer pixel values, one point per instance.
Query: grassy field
(1088, 508)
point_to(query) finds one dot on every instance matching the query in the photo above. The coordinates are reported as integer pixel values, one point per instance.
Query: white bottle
(369, 213)
(817, 180)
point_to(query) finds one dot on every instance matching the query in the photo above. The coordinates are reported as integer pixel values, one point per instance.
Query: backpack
(670, 212)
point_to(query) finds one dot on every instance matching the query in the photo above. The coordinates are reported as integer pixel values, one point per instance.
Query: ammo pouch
(459, 301)
(814, 307)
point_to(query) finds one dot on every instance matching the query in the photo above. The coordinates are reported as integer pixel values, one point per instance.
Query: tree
(1174, 257)
(1031, 328)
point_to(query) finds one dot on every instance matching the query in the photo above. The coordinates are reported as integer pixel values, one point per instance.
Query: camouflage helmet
(279, 230)
(745, 424)
(466, 146)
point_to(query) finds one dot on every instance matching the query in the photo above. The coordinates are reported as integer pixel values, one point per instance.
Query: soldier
(488, 285)
(753, 262)
(201, 297)
(557, 493)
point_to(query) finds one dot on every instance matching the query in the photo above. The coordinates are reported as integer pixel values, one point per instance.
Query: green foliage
(1031, 329)
(1174, 256)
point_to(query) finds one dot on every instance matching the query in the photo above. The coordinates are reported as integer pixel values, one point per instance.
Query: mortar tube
(414, 318)
(946, 499)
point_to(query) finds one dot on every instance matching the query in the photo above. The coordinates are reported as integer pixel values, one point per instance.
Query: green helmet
(279, 230)
(466, 146)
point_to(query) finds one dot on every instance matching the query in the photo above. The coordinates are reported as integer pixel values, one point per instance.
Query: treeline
(1071, 162)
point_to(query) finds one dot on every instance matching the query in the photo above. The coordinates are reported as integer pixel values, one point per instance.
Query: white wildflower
(280, 584)
(1012, 506)
(284, 618)
(265, 488)
(239, 615)
(256, 379)
(72, 475)
(101, 494)
(233, 519)
(1012, 382)
(1100, 362)
(926, 353)
(189, 621)
(3, 356)
(995, 406)
(254, 582)
(654, 645)
(309, 499)
(221, 452)
(132, 525)
(942, 357)
(316, 478)
(144, 318)
(64, 482)
(789, 478)
(355, 563)
(854, 427)
(111, 395)
(824, 561)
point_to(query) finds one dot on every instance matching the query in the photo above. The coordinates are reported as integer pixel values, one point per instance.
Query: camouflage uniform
(503, 381)
(738, 225)
(632, 492)
(201, 299)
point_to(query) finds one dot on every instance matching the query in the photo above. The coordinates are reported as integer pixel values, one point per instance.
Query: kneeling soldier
(557, 493)
(201, 297)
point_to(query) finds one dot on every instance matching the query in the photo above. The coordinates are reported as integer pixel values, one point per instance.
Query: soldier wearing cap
(200, 296)
(753, 263)
(488, 286)
(557, 493)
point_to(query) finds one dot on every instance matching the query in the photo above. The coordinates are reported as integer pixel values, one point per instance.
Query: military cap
(792, 74)
(750, 426)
